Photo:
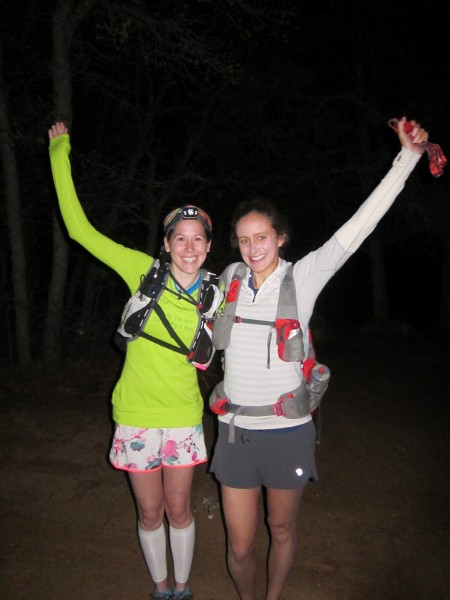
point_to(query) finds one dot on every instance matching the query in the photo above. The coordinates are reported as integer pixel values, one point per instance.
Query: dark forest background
(210, 102)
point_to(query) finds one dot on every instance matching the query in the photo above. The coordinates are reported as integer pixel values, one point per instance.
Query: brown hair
(264, 207)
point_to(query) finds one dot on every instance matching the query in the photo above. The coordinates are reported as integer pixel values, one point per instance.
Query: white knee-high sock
(153, 544)
(182, 545)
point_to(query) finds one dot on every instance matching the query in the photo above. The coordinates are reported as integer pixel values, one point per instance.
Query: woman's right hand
(57, 129)
(415, 139)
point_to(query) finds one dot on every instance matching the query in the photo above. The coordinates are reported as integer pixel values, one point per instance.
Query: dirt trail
(376, 525)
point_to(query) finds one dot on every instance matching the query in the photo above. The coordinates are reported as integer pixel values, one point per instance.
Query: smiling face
(188, 248)
(259, 244)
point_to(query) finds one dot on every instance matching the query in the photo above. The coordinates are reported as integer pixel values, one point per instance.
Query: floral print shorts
(140, 449)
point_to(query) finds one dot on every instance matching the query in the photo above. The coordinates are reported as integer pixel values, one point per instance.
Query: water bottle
(317, 385)
(320, 375)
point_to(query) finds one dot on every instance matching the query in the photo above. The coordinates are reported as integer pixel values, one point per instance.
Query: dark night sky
(286, 123)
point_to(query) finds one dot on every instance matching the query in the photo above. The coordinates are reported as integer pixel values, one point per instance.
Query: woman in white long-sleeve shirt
(273, 451)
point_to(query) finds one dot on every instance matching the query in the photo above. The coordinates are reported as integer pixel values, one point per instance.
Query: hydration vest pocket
(218, 400)
(202, 348)
(293, 404)
(289, 340)
(134, 316)
(210, 301)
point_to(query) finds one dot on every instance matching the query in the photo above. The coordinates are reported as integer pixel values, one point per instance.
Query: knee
(282, 531)
(179, 514)
(150, 519)
(241, 553)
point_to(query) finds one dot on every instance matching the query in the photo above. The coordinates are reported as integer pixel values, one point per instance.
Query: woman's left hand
(57, 129)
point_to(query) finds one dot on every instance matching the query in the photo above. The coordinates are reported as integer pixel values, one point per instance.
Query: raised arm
(352, 234)
(77, 224)
(128, 263)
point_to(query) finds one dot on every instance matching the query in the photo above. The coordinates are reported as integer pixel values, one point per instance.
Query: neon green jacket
(157, 387)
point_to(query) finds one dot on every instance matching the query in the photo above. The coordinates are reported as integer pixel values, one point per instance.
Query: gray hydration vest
(140, 306)
(293, 404)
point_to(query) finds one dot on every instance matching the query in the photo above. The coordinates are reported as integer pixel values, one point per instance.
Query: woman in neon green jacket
(157, 404)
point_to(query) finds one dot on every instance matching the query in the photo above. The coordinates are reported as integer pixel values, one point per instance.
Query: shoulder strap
(233, 295)
(287, 300)
(234, 289)
(287, 307)
(153, 284)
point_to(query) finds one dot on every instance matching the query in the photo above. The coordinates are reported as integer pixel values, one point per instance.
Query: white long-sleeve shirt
(247, 379)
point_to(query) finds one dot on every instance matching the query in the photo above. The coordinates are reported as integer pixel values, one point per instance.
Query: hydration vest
(300, 402)
(289, 333)
(139, 307)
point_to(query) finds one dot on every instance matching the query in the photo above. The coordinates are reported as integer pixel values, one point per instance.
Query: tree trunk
(364, 84)
(62, 89)
(14, 216)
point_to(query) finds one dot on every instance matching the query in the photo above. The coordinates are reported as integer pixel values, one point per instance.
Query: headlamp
(188, 212)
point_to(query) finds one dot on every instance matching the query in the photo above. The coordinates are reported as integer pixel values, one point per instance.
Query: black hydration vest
(140, 306)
